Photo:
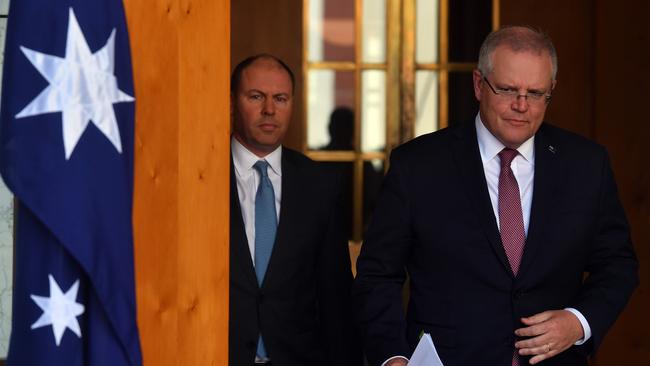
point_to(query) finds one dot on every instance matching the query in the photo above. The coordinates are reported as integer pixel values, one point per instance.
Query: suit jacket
(303, 308)
(434, 220)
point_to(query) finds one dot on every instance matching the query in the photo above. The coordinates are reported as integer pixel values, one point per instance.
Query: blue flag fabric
(66, 152)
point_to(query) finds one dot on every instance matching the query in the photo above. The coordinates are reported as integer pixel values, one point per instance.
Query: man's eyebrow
(255, 91)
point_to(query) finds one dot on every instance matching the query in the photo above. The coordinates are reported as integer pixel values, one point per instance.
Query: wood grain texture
(622, 79)
(602, 93)
(181, 67)
(570, 26)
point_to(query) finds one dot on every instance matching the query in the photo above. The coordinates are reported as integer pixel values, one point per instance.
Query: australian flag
(66, 152)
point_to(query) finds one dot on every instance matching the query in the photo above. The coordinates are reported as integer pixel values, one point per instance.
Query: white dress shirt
(523, 167)
(248, 179)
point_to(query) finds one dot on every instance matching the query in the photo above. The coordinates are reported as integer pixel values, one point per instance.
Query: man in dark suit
(510, 230)
(290, 277)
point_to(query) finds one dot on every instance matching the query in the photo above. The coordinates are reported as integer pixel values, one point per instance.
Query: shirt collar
(244, 159)
(490, 146)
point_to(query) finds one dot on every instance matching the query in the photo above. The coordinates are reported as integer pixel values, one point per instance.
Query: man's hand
(550, 332)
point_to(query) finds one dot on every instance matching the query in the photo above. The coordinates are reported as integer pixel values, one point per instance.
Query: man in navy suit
(510, 230)
(290, 276)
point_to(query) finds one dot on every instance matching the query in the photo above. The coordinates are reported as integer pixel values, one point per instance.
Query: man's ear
(232, 107)
(477, 79)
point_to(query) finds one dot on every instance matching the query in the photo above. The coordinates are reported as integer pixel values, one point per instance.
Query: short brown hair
(235, 77)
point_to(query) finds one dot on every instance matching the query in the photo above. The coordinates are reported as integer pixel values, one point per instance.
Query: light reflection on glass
(426, 34)
(426, 102)
(374, 31)
(331, 30)
(373, 107)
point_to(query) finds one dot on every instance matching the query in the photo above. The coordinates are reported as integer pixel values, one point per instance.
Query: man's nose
(269, 107)
(520, 104)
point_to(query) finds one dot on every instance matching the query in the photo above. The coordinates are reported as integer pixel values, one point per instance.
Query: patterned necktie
(266, 223)
(511, 220)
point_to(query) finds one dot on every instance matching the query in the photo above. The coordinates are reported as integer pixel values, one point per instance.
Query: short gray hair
(518, 39)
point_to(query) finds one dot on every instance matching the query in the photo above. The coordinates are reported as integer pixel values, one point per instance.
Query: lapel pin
(551, 148)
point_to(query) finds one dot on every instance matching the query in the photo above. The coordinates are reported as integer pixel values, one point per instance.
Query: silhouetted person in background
(341, 130)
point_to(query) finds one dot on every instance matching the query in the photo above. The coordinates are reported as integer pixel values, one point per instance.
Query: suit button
(518, 294)
(260, 298)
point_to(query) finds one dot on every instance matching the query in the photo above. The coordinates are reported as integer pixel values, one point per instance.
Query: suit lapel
(548, 173)
(468, 160)
(239, 252)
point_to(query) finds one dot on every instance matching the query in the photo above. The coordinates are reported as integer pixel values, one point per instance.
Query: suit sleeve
(381, 270)
(612, 265)
(335, 290)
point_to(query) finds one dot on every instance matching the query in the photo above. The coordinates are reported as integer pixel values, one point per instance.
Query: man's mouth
(516, 121)
(268, 127)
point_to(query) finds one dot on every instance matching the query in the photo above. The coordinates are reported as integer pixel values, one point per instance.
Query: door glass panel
(426, 101)
(331, 30)
(340, 117)
(373, 25)
(426, 31)
(328, 92)
(373, 107)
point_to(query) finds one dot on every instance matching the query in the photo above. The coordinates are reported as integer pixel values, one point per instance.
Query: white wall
(6, 228)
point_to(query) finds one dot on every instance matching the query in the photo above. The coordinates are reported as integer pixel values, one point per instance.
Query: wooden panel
(602, 91)
(622, 80)
(181, 66)
(273, 27)
(569, 23)
(155, 215)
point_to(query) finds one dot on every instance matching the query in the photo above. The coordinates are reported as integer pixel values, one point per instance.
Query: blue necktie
(266, 223)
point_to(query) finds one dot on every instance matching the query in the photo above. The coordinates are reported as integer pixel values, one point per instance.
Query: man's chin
(268, 145)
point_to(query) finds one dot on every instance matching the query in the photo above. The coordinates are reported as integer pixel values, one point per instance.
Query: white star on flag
(82, 86)
(59, 310)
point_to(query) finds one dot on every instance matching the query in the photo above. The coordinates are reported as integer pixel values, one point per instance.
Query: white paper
(425, 353)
